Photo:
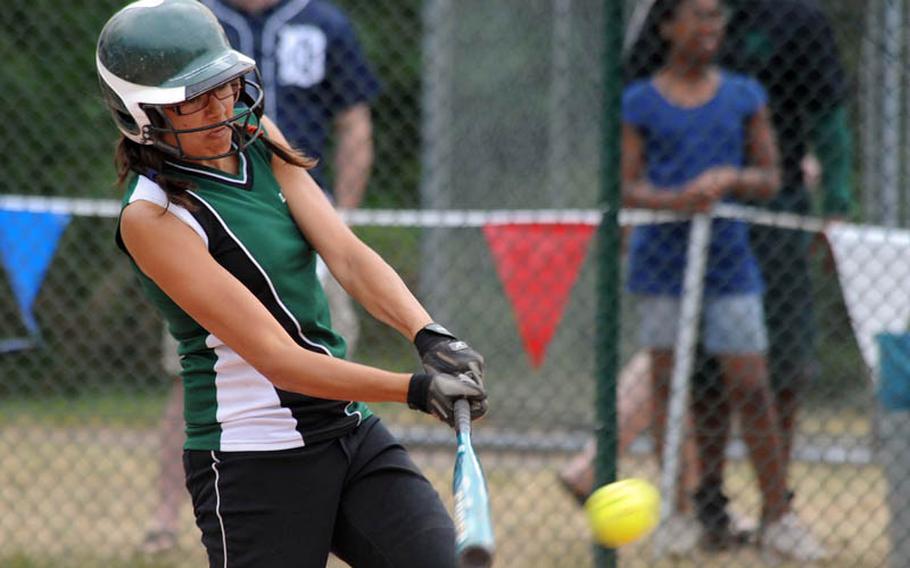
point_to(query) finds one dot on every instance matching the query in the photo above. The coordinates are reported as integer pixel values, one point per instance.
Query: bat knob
(476, 557)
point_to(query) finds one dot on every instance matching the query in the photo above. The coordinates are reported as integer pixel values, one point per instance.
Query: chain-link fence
(485, 194)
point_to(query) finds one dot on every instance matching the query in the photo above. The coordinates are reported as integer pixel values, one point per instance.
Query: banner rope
(448, 219)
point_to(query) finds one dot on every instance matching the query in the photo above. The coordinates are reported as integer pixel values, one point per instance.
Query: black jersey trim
(280, 310)
(245, 181)
(305, 409)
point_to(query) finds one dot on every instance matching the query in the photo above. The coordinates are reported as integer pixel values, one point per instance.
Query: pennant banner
(538, 265)
(28, 241)
(873, 265)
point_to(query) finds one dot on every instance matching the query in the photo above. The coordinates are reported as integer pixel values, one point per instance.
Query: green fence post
(607, 336)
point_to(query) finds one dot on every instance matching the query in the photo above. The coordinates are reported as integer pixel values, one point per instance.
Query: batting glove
(436, 395)
(442, 352)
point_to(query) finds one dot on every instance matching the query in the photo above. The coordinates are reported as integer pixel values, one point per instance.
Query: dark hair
(132, 157)
(648, 52)
(665, 10)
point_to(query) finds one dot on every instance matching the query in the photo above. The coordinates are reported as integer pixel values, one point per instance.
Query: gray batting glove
(436, 394)
(441, 352)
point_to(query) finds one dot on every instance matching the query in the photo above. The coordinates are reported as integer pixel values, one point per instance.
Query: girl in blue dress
(694, 135)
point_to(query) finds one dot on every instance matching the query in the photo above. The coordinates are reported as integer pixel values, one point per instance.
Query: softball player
(283, 460)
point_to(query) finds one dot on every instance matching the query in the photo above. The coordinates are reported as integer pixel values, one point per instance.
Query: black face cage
(244, 129)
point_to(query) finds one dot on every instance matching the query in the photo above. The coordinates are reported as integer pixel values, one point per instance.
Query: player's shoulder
(143, 188)
(141, 213)
(143, 208)
(148, 210)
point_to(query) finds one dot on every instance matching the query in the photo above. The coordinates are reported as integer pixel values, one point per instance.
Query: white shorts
(733, 324)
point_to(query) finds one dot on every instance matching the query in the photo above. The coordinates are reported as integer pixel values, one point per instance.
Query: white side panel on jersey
(249, 411)
(147, 190)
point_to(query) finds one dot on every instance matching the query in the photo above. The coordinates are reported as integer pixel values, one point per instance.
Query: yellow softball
(623, 511)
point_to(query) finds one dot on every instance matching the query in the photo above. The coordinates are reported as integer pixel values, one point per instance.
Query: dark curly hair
(649, 50)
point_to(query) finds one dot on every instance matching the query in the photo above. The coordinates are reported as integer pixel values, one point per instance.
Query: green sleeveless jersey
(245, 223)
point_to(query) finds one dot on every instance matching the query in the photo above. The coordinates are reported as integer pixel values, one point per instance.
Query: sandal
(158, 542)
(579, 495)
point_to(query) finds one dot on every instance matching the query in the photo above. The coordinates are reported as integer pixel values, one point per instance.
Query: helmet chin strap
(239, 141)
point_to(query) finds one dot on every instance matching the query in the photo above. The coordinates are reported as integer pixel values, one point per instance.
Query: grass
(80, 495)
(117, 410)
(77, 489)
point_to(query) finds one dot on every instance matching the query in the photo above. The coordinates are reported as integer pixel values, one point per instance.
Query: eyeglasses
(222, 92)
(719, 16)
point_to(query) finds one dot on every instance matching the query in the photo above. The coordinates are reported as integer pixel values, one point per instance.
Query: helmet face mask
(244, 124)
(158, 53)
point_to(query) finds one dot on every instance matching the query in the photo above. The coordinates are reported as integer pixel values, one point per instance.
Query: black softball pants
(359, 496)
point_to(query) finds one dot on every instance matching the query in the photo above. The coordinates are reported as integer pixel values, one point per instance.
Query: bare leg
(787, 401)
(661, 372)
(712, 416)
(634, 392)
(711, 410)
(691, 470)
(746, 378)
(171, 491)
(634, 397)
(578, 475)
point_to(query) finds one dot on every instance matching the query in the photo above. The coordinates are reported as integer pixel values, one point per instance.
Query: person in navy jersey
(318, 79)
(694, 135)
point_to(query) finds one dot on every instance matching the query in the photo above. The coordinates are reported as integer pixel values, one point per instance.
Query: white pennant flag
(873, 264)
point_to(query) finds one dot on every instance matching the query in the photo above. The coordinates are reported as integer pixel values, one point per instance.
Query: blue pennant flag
(27, 244)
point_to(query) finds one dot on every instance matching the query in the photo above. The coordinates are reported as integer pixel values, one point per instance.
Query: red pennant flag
(538, 265)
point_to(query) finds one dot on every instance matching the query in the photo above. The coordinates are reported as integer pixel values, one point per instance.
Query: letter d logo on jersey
(301, 56)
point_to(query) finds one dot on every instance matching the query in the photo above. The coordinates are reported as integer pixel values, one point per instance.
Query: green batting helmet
(154, 53)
